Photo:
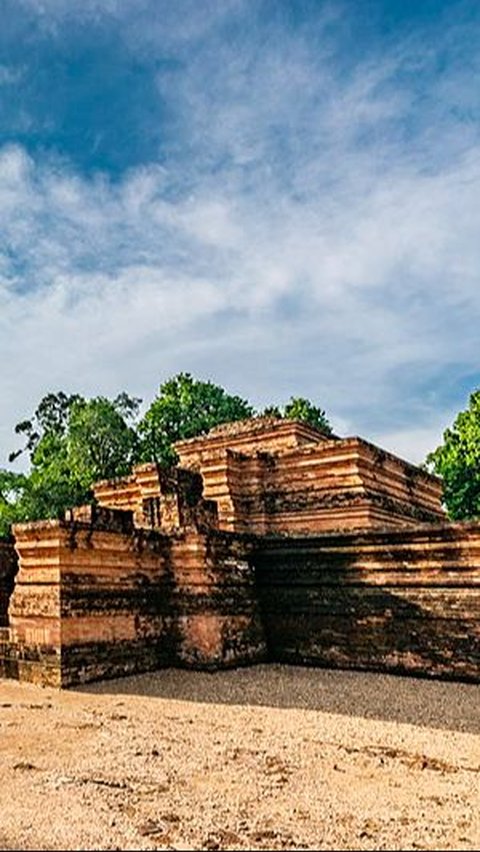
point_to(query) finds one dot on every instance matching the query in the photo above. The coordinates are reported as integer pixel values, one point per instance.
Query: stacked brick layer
(98, 600)
(404, 600)
(8, 569)
(315, 487)
(103, 599)
(284, 477)
(247, 436)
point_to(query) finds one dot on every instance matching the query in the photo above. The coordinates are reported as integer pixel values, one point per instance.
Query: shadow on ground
(392, 698)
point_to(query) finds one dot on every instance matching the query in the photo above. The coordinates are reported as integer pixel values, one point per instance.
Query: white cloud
(294, 244)
(10, 74)
(414, 444)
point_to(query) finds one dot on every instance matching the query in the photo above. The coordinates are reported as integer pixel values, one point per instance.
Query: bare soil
(268, 757)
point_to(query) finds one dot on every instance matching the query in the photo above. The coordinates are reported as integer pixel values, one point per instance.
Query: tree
(100, 442)
(457, 461)
(185, 408)
(47, 425)
(11, 490)
(72, 443)
(49, 487)
(299, 408)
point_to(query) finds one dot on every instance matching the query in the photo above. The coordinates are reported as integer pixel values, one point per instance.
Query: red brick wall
(8, 569)
(406, 600)
(267, 476)
(105, 599)
(333, 485)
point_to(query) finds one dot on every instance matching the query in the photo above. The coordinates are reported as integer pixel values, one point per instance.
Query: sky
(281, 196)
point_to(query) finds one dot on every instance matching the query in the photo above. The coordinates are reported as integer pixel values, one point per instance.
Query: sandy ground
(269, 757)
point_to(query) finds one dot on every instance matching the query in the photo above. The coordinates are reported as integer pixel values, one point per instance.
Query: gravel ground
(268, 757)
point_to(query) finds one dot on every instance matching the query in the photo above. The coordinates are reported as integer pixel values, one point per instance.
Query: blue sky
(282, 197)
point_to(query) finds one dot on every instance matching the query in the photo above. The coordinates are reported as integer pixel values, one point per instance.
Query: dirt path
(270, 757)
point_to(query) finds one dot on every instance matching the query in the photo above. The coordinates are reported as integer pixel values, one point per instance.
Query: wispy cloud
(9, 75)
(309, 226)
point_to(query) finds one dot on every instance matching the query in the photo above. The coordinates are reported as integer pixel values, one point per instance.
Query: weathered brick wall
(159, 498)
(268, 434)
(406, 600)
(96, 597)
(35, 608)
(339, 485)
(8, 569)
(268, 476)
(347, 484)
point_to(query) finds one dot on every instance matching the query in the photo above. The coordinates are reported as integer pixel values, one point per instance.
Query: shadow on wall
(8, 571)
(430, 704)
(385, 605)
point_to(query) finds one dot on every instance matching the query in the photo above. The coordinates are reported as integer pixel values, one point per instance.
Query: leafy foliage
(457, 461)
(12, 486)
(48, 422)
(72, 443)
(299, 408)
(100, 442)
(186, 407)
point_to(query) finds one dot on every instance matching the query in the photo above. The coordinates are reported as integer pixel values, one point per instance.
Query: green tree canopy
(12, 486)
(184, 408)
(457, 461)
(100, 442)
(299, 408)
(71, 443)
(48, 424)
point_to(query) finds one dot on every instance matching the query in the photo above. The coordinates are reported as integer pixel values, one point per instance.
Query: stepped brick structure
(268, 476)
(279, 476)
(269, 541)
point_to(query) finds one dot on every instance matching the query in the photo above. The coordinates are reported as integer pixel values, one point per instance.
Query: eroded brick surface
(8, 569)
(92, 601)
(406, 601)
(305, 482)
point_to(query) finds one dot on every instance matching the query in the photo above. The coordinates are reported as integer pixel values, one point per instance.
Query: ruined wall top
(270, 475)
(257, 434)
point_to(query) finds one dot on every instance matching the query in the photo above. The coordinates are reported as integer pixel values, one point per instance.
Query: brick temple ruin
(270, 541)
